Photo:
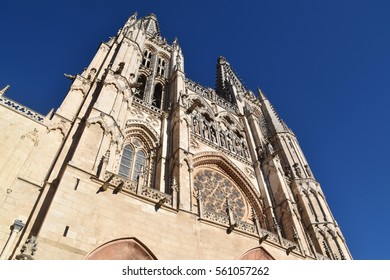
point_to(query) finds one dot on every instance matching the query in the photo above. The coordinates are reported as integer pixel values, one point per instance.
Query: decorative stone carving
(156, 195)
(298, 171)
(91, 74)
(308, 171)
(250, 172)
(216, 188)
(32, 135)
(4, 90)
(21, 109)
(251, 228)
(270, 149)
(195, 125)
(174, 185)
(194, 144)
(28, 249)
(119, 69)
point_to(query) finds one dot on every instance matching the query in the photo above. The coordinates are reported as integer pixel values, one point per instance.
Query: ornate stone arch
(229, 120)
(79, 88)
(142, 140)
(62, 126)
(129, 248)
(149, 134)
(326, 246)
(144, 71)
(164, 55)
(151, 48)
(221, 164)
(120, 83)
(99, 120)
(257, 253)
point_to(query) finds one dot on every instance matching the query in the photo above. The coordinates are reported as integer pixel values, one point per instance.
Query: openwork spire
(228, 85)
(151, 25)
(272, 117)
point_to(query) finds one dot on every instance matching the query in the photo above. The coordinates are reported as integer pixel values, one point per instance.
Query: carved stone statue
(238, 146)
(229, 143)
(308, 171)
(298, 171)
(178, 62)
(195, 123)
(213, 134)
(222, 139)
(270, 149)
(184, 101)
(245, 151)
(91, 74)
(205, 130)
(120, 67)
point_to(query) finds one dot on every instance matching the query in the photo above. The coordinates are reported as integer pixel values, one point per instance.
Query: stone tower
(140, 162)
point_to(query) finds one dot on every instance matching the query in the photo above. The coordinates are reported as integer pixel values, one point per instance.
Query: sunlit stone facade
(140, 162)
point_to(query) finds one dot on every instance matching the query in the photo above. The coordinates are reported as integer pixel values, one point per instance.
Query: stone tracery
(217, 189)
(222, 130)
(230, 182)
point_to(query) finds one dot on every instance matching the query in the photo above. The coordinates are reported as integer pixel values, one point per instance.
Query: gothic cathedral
(140, 162)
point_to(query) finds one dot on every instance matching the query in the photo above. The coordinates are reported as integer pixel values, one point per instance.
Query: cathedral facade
(140, 162)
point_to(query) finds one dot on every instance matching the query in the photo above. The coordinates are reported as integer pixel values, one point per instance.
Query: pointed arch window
(157, 95)
(147, 58)
(161, 66)
(127, 157)
(133, 162)
(139, 164)
(141, 89)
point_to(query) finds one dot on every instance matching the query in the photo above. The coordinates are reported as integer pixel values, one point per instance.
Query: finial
(4, 89)
(175, 42)
(133, 18)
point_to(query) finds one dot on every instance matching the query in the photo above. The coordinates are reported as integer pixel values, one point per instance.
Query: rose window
(216, 189)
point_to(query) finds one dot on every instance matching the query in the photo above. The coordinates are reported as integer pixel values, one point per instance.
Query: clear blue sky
(325, 66)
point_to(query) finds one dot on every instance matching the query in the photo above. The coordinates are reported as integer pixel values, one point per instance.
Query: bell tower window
(157, 95)
(141, 89)
(147, 58)
(161, 67)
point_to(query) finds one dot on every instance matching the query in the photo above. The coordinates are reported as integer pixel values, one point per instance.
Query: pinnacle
(261, 94)
(2, 91)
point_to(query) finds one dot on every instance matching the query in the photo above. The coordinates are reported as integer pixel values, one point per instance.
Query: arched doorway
(121, 249)
(257, 253)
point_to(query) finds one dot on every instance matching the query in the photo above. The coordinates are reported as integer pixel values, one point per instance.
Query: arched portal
(258, 253)
(220, 180)
(121, 249)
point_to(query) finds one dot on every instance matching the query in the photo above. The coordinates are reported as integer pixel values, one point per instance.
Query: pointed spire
(4, 90)
(175, 43)
(277, 124)
(132, 19)
(261, 95)
(151, 25)
(177, 59)
(228, 84)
